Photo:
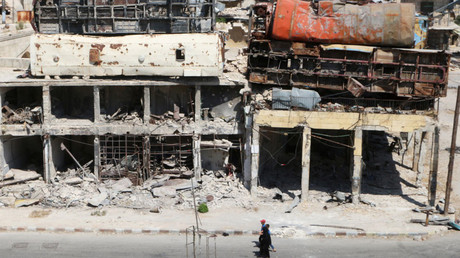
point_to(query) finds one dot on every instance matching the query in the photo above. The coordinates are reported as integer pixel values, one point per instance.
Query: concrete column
(417, 144)
(421, 160)
(97, 155)
(3, 165)
(97, 105)
(197, 156)
(247, 147)
(197, 103)
(46, 96)
(146, 157)
(47, 158)
(254, 158)
(306, 147)
(357, 165)
(146, 105)
(408, 154)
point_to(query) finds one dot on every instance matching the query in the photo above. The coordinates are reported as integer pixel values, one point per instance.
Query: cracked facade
(138, 106)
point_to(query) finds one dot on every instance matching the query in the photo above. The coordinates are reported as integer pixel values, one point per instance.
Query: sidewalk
(311, 221)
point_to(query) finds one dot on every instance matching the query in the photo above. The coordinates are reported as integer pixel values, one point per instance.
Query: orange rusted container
(329, 22)
(25, 16)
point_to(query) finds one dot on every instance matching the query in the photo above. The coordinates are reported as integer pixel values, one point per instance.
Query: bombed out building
(136, 89)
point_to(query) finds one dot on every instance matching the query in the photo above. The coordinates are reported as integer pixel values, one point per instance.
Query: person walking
(265, 241)
(270, 233)
(262, 222)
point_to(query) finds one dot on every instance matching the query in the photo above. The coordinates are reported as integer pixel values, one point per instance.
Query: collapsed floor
(385, 174)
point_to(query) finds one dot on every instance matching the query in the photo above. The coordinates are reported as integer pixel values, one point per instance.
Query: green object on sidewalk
(203, 208)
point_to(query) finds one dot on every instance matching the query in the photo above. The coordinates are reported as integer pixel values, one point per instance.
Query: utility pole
(452, 154)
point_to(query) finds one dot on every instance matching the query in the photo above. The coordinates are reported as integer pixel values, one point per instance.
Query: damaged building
(330, 81)
(153, 94)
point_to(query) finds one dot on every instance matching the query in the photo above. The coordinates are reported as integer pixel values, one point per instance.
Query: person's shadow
(256, 244)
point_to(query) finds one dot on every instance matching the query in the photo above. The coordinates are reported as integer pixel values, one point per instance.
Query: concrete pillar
(254, 158)
(197, 103)
(146, 105)
(247, 147)
(421, 159)
(408, 154)
(306, 147)
(197, 156)
(46, 98)
(357, 165)
(417, 144)
(97, 105)
(97, 155)
(47, 158)
(3, 165)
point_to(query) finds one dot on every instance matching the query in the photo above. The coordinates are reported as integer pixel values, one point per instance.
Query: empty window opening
(180, 54)
(280, 159)
(22, 153)
(122, 104)
(81, 147)
(22, 105)
(171, 103)
(331, 160)
(72, 103)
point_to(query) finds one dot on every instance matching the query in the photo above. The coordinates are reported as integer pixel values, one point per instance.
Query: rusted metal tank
(332, 22)
(25, 16)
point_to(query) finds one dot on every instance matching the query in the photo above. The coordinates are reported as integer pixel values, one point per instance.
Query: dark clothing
(265, 241)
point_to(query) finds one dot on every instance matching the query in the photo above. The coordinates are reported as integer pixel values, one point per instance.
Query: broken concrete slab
(164, 191)
(8, 175)
(20, 176)
(25, 202)
(73, 181)
(98, 200)
(151, 182)
(122, 185)
(294, 204)
(182, 184)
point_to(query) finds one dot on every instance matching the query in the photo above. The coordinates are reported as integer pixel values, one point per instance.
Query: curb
(155, 231)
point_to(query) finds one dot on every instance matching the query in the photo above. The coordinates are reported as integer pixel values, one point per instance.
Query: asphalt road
(103, 245)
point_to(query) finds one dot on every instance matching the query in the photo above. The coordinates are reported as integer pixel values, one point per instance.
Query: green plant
(203, 208)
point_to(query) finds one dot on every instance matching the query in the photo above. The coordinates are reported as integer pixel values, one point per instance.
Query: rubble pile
(132, 117)
(72, 189)
(26, 115)
(167, 116)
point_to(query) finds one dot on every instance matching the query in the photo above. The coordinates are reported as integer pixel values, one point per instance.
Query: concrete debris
(8, 175)
(164, 191)
(122, 185)
(440, 208)
(26, 115)
(152, 182)
(73, 181)
(25, 202)
(170, 116)
(294, 204)
(19, 176)
(131, 117)
(98, 200)
(7, 201)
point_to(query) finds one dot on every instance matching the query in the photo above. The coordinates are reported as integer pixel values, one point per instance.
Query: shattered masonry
(202, 95)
